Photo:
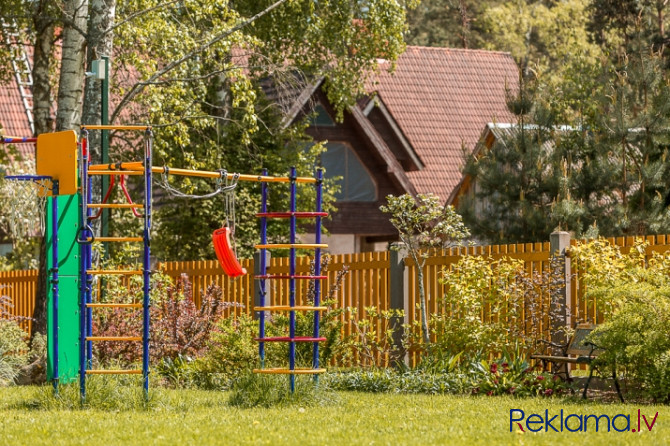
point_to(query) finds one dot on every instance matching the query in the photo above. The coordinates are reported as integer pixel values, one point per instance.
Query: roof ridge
(463, 50)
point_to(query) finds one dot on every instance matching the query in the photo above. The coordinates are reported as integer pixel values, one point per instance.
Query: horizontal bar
(115, 127)
(289, 308)
(292, 214)
(113, 305)
(288, 339)
(115, 172)
(113, 372)
(115, 206)
(212, 174)
(114, 338)
(292, 245)
(113, 272)
(286, 276)
(16, 140)
(300, 371)
(116, 239)
(131, 165)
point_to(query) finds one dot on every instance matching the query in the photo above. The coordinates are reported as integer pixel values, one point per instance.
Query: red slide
(225, 254)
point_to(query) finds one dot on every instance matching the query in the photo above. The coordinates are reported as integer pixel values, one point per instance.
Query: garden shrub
(633, 294)
(501, 287)
(178, 327)
(13, 351)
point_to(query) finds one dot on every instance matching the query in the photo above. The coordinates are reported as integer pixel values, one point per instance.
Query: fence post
(398, 300)
(561, 303)
(257, 282)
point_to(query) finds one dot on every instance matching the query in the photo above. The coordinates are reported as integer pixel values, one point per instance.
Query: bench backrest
(576, 346)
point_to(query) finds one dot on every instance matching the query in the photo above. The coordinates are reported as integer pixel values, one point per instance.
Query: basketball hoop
(26, 196)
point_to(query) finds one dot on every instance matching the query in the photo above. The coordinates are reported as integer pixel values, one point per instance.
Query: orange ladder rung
(116, 239)
(297, 371)
(113, 305)
(292, 245)
(113, 272)
(289, 308)
(113, 338)
(132, 165)
(113, 372)
(115, 206)
(115, 172)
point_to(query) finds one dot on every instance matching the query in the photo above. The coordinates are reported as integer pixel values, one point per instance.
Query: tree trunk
(44, 37)
(100, 43)
(42, 103)
(71, 83)
(422, 301)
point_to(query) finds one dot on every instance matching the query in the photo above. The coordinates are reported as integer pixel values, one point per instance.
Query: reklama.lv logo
(579, 422)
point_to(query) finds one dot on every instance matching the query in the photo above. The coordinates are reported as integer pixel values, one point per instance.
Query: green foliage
(633, 294)
(370, 342)
(423, 222)
(509, 375)
(13, 351)
(514, 299)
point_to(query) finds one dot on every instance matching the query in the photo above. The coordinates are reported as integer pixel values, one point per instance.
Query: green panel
(68, 225)
(68, 293)
(68, 330)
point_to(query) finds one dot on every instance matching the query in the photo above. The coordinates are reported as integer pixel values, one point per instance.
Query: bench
(576, 351)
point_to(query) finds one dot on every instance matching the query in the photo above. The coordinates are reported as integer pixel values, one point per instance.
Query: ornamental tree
(423, 223)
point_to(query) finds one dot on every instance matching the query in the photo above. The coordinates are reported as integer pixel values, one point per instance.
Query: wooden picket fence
(365, 284)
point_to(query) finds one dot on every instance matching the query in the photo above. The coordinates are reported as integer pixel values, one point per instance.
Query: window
(321, 118)
(356, 184)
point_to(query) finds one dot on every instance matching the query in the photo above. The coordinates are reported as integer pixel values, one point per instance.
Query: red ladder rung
(288, 339)
(291, 214)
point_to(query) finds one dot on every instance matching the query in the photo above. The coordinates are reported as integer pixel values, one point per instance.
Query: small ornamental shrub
(178, 327)
(14, 349)
(514, 300)
(633, 294)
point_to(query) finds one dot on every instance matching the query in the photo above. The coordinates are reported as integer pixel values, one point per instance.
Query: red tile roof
(442, 98)
(13, 118)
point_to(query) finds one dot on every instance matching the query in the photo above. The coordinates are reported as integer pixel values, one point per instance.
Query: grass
(29, 415)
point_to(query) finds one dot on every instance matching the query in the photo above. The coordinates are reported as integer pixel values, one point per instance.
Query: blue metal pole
(148, 163)
(292, 262)
(54, 277)
(263, 269)
(89, 277)
(83, 251)
(317, 269)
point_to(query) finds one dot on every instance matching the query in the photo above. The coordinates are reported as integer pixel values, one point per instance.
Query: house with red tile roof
(409, 134)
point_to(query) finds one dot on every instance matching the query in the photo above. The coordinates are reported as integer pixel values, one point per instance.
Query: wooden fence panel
(366, 284)
(20, 287)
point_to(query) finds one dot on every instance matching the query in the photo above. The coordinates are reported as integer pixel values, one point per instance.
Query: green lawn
(202, 418)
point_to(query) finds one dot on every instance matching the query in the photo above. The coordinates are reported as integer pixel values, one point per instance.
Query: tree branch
(139, 13)
(137, 88)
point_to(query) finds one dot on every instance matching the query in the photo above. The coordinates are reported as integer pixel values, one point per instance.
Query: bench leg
(588, 381)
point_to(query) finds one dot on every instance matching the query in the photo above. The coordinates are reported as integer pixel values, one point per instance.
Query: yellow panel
(57, 158)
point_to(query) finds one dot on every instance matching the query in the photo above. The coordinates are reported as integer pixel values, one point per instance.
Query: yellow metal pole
(212, 174)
